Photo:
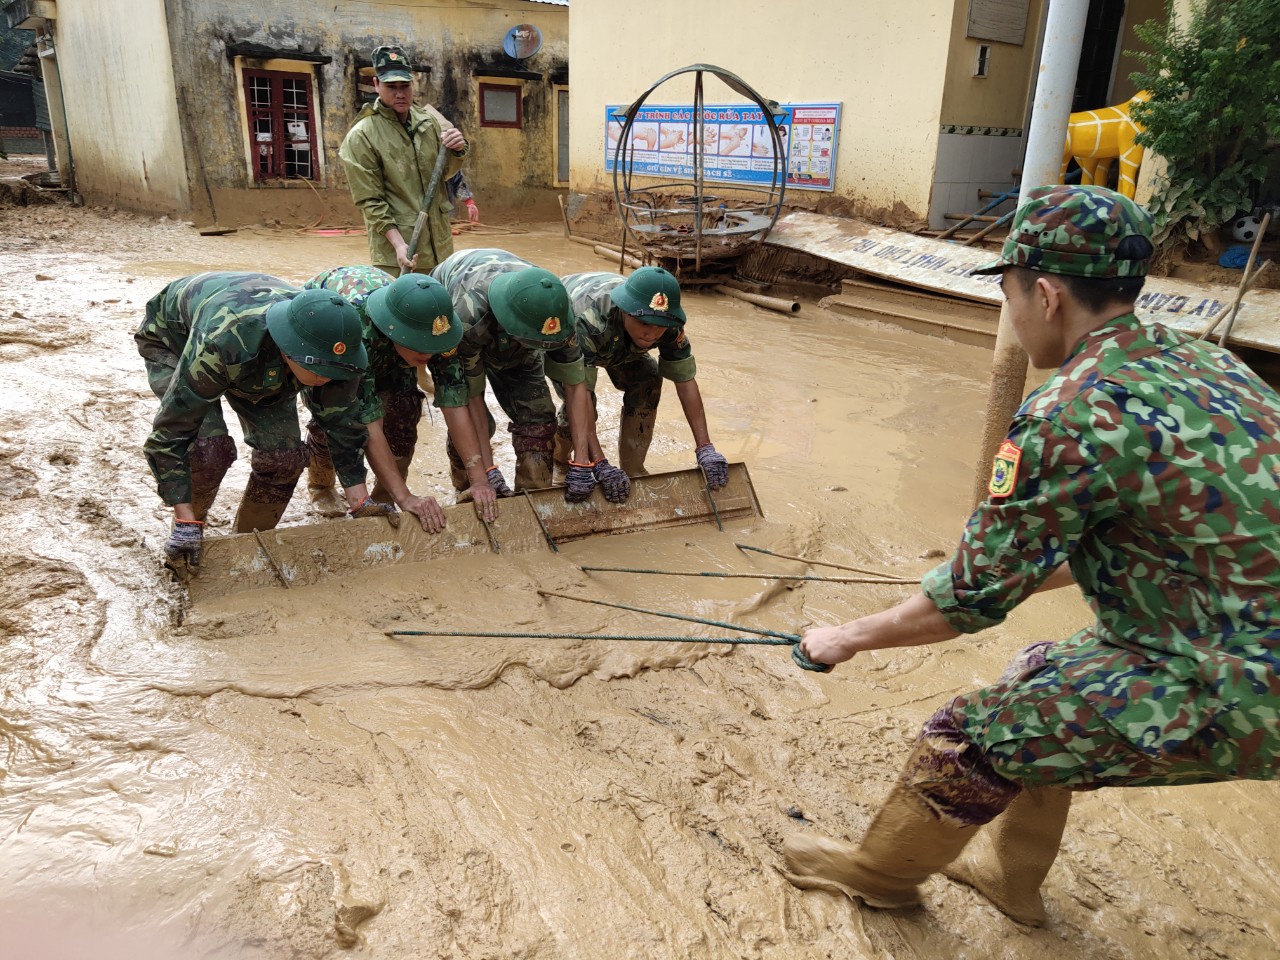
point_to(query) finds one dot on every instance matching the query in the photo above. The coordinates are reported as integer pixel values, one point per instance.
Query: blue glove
(615, 484)
(369, 507)
(579, 483)
(182, 550)
(713, 465)
(498, 483)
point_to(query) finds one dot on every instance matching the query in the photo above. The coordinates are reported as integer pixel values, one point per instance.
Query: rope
(894, 581)
(796, 653)
(786, 637)
(822, 563)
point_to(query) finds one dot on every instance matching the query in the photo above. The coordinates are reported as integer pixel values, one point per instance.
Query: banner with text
(736, 146)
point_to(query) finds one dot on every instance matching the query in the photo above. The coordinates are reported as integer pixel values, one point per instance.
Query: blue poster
(736, 146)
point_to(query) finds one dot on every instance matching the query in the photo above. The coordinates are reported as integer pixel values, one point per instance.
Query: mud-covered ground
(268, 775)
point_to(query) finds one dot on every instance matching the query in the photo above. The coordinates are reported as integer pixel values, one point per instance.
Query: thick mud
(269, 775)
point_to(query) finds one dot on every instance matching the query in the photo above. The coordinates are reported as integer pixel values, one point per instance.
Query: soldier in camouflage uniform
(258, 342)
(409, 324)
(1145, 470)
(618, 322)
(516, 321)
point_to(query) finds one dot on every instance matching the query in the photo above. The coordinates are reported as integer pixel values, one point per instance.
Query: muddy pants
(522, 393)
(1032, 729)
(271, 431)
(641, 385)
(402, 412)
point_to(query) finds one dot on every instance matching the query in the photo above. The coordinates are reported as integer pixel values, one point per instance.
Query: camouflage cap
(653, 295)
(390, 63)
(319, 331)
(1078, 232)
(416, 312)
(532, 305)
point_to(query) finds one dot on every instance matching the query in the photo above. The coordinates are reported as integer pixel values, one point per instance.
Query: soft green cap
(532, 305)
(416, 312)
(653, 295)
(1078, 232)
(320, 331)
(390, 63)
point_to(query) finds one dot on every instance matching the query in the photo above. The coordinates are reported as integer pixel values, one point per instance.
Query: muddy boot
(325, 499)
(634, 437)
(380, 492)
(1020, 845)
(533, 444)
(209, 459)
(905, 843)
(274, 475)
(561, 454)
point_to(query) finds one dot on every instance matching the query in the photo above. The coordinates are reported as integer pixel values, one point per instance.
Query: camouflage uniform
(205, 337)
(605, 344)
(389, 388)
(1150, 463)
(515, 372)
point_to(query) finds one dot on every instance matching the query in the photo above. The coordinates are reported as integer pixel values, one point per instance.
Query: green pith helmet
(532, 305)
(653, 295)
(320, 331)
(416, 312)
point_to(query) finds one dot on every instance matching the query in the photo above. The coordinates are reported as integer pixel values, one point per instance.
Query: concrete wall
(510, 168)
(885, 62)
(1136, 12)
(121, 116)
(983, 137)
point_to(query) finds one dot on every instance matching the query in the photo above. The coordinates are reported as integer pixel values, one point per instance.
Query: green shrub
(1214, 114)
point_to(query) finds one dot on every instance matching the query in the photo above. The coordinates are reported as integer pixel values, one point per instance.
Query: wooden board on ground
(944, 267)
(315, 552)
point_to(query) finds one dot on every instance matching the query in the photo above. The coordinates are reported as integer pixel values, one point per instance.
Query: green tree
(1214, 113)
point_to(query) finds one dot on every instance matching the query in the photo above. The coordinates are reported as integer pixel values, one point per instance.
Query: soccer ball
(1244, 229)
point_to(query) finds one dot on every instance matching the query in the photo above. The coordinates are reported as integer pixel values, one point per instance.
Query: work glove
(498, 483)
(579, 483)
(713, 465)
(182, 550)
(615, 484)
(369, 507)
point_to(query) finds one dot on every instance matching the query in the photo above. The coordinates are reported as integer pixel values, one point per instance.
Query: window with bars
(281, 125)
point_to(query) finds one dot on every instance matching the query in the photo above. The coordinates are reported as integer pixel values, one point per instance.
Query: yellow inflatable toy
(1095, 138)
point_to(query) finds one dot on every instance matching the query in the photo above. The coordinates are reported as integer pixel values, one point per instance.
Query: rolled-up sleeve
(1011, 544)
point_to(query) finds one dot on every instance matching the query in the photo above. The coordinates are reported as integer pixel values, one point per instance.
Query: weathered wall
(119, 94)
(1136, 12)
(885, 62)
(510, 168)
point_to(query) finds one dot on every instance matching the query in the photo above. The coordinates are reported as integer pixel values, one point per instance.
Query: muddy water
(270, 775)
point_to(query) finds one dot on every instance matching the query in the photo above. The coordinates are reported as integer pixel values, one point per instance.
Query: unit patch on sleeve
(1004, 469)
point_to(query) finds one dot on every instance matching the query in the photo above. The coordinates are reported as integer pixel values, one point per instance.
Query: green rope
(785, 637)
(817, 563)
(796, 653)
(754, 576)
(711, 496)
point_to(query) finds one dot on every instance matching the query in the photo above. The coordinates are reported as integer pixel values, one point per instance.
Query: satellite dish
(522, 41)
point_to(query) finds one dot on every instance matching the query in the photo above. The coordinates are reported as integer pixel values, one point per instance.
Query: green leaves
(1215, 104)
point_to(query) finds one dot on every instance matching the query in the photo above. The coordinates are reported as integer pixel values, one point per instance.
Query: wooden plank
(316, 552)
(944, 267)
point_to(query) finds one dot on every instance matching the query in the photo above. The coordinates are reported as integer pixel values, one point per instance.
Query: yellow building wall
(1000, 98)
(120, 102)
(1136, 12)
(885, 62)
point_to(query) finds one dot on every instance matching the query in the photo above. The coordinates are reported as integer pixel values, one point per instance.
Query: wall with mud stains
(119, 95)
(156, 99)
(885, 62)
(447, 43)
